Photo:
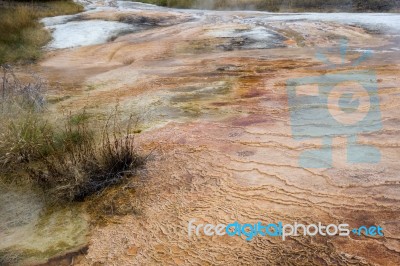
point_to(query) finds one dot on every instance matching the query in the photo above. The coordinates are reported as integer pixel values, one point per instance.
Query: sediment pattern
(217, 115)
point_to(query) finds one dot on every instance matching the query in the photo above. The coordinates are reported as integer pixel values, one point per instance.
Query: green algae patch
(32, 232)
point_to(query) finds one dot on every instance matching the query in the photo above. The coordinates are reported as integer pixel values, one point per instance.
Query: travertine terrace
(212, 87)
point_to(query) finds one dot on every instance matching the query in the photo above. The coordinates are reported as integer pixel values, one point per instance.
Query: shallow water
(84, 33)
(31, 233)
(376, 21)
(70, 31)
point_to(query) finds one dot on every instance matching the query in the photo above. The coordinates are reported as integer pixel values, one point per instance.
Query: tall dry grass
(21, 129)
(69, 162)
(21, 34)
(83, 162)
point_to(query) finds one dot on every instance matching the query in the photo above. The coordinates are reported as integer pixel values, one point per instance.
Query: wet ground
(212, 90)
(32, 232)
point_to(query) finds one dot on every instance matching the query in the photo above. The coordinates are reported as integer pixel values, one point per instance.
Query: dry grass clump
(71, 162)
(79, 165)
(23, 133)
(21, 34)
